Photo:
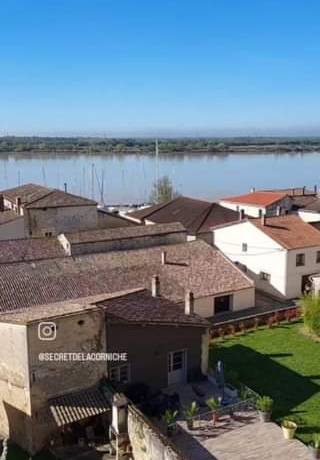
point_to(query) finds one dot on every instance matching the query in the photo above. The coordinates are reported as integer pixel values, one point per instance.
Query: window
(120, 373)
(300, 260)
(244, 247)
(318, 257)
(265, 276)
(48, 234)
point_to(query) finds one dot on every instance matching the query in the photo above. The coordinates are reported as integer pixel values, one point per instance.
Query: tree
(163, 190)
(311, 313)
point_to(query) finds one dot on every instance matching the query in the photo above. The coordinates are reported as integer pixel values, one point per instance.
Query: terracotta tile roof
(58, 198)
(8, 216)
(289, 231)
(314, 205)
(300, 196)
(29, 249)
(196, 215)
(195, 266)
(37, 196)
(141, 307)
(27, 192)
(134, 306)
(136, 231)
(257, 198)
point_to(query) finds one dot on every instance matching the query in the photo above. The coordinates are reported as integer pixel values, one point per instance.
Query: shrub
(316, 441)
(170, 416)
(311, 313)
(264, 404)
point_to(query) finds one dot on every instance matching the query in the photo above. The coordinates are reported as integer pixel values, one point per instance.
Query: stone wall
(40, 222)
(127, 243)
(147, 442)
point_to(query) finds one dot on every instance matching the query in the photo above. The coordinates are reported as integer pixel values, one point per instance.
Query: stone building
(40, 397)
(46, 212)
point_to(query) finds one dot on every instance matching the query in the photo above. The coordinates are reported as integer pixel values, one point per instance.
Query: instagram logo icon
(47, 330)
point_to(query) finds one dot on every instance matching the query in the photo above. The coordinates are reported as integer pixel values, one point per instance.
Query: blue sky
(148, 67)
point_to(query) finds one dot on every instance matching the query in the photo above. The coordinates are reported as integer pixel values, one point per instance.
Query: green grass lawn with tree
(281, 362)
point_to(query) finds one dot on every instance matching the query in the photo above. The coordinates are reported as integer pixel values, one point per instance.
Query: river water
(129, 178)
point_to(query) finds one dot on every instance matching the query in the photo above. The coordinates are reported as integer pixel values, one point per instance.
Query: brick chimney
(18, 205)
(189, 303)
(1, 203)
(155, 286)
(163, 257)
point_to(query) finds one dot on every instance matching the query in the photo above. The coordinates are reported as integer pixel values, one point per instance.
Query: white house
(256, 204)
(281, 253)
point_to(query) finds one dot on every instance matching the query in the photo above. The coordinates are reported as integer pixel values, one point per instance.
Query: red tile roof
(257, 198)
(289, 231)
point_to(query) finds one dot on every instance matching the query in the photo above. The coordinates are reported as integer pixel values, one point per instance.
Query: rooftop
(290, 231)
(314, 205)
(257, 198)
(91, 236)
(196, 215)
(131, 306)
(29, 249)
(194, 266)
(8, 216)
(37, 196)
(141, 307)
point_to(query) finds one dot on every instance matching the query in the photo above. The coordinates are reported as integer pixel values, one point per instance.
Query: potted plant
(264, 405)
(315, 446)
(213, 405)
(289, 428)
(190, 413)
(170, 417)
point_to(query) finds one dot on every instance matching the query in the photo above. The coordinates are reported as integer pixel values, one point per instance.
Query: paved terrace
(242, 437)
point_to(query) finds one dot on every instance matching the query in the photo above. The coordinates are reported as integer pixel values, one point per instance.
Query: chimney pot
(189, 303)
(65, 187)
(253, 189)
(163, 257)
(155, 286)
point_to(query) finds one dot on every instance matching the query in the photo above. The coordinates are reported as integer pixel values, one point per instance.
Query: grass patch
(282, 363)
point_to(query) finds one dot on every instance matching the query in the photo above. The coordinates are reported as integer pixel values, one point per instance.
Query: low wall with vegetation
(147, 441)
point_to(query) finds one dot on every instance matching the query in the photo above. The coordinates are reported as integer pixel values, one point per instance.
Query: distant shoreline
(239, 150)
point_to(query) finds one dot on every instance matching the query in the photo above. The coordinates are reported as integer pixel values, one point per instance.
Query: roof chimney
(1, 203)
(189, 303)
(263, 219)
(18, 204)
(65, 187)
(278, 210)
(241, 214)
(315, 189)
(155, 286)
(163, 257)
(253, 189)
(304, 190)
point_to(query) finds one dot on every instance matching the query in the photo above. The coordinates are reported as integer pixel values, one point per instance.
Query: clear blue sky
(120, 67)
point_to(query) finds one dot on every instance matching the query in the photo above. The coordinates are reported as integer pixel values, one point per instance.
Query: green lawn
(280, 362)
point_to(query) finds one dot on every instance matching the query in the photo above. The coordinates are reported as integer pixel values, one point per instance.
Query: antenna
(157, 169)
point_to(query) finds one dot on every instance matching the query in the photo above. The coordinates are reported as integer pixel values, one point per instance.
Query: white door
(177, 367)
